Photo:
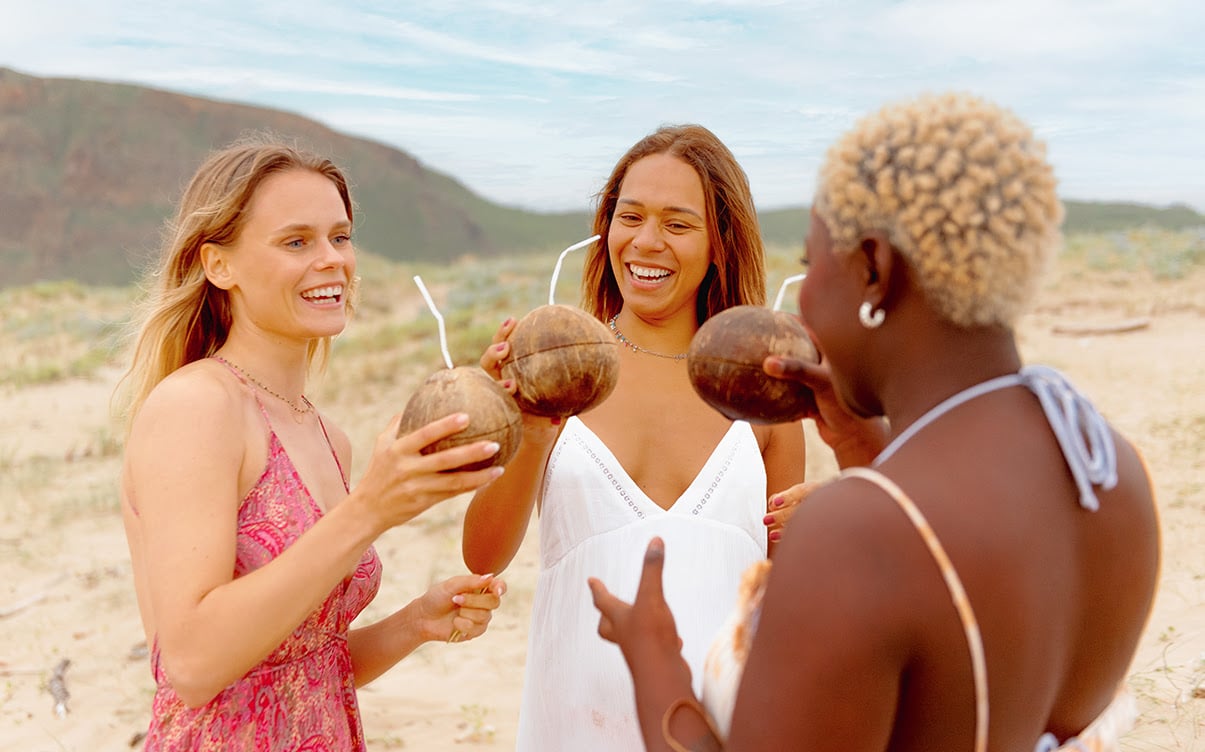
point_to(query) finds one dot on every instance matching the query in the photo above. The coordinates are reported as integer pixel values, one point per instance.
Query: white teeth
(648, 272)
(333, 291)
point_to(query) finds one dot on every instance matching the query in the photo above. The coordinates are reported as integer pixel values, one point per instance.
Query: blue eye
(295, 244)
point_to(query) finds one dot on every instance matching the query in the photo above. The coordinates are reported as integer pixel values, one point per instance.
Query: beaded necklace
(299, 411)
(637, 348)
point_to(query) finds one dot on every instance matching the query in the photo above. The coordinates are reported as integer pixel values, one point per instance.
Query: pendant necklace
(637, 348)
(299, 411)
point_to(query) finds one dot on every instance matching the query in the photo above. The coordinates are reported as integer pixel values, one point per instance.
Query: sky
(530, 104)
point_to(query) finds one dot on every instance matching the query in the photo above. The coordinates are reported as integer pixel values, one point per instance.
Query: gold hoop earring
(869, 317)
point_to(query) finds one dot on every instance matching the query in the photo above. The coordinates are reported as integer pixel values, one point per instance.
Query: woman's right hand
(537, 429)
(401, 482)
(854, 440)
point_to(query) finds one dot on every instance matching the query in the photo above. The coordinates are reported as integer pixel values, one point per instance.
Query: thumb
(650, 577)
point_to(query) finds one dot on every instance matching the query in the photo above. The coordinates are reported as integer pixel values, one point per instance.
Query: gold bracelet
(691, 702)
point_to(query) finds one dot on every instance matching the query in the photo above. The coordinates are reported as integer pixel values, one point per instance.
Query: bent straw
(443, 335)
(783, 288)
(556, 271)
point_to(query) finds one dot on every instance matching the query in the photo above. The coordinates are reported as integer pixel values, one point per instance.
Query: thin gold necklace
(637, 348)
(300, 411)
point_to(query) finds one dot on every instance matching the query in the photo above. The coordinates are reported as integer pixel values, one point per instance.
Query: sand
(66, 594)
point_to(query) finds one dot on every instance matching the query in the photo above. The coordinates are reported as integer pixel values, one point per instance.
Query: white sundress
(596, 522)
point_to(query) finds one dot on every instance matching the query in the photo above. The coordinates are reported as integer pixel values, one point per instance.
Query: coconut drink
(563, 360)
(725, 359)
(493, 414)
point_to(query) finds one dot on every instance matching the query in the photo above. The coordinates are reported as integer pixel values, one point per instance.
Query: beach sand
(66, 593)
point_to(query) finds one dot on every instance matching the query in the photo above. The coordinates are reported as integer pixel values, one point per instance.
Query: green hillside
(89, 171)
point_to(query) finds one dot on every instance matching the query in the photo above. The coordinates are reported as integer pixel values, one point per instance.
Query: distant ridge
(89, 172)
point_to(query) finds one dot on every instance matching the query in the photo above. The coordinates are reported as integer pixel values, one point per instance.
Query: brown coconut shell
(493, 414)
(563, 361)
(725, 364)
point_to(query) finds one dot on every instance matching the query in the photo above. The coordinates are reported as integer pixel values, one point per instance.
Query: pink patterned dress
(302, 697)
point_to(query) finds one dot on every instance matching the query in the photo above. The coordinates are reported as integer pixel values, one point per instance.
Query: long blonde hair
(738, 272)
(183, 316)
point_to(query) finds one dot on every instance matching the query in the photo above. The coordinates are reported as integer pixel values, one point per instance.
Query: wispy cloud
(530, 103)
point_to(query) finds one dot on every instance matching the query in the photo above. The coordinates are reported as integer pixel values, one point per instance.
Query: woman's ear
(216, 266)
(879, 259)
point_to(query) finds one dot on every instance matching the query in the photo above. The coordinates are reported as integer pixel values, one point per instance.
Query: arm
(464, 603)
(497, 518)
(184, 456)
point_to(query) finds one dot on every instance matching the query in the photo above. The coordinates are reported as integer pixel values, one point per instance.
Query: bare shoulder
(849, 536)
(196, 401)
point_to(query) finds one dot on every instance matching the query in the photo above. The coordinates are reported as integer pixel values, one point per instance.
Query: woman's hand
(460, 608)
(537, 430)
(644, 630)
(854, 440)
(401, 482)
(782, 506)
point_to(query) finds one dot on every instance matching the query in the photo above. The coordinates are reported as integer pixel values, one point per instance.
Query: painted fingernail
(496, 471)
(778, 501)
(768, 519)
(507, 384)
(500, 347)
(492, 447)
(776, 536)
(556, 421)
(509, 320)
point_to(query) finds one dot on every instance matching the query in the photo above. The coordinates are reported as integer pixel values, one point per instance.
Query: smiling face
(289, 269)
(658, 242)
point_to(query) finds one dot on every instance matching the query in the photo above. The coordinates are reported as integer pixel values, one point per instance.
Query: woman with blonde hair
(950, 596)
(679, 242)
(251, 553)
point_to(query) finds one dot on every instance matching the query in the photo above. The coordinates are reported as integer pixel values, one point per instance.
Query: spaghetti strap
(255, 394)
(958, 595)
(334, 454)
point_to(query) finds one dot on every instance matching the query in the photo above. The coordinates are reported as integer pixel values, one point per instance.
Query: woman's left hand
(460, 608)
(782, 505)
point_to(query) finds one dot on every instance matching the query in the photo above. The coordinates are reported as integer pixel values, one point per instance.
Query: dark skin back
(859, 646)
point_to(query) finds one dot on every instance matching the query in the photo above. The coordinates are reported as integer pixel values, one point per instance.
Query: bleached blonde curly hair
(962, 189)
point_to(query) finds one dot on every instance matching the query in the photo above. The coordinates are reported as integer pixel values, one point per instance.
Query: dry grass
(62, 552)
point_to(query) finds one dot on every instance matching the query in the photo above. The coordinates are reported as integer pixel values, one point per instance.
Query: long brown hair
(738, 272)
(183, 316)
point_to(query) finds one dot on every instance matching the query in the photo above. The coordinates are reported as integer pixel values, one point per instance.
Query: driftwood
(57, 687)
(1117, 327)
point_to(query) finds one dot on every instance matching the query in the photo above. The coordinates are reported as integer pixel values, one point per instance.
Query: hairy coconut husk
(563, 361)
(725, 364)
(493, 414)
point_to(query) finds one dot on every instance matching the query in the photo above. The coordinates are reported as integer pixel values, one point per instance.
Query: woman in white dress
(679, 243)
(984, 583)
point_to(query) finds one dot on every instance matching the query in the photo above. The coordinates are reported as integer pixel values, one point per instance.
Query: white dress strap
(962, 603)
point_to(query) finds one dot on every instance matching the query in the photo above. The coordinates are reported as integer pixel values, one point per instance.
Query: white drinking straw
(556, 271)
(783, 288)
(443, 335)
